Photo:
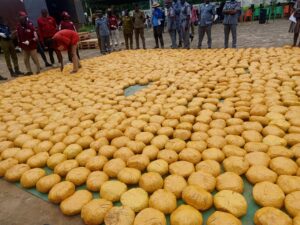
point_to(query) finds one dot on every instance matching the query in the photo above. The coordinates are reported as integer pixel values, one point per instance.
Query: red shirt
(112, 22)
(67, 24)
(47, 27)
(66, 38)
(26, 33)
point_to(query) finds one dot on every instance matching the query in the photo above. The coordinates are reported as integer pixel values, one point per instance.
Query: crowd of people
(47, 36)
(180, 18)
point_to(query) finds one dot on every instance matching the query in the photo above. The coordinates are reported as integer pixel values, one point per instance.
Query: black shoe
(28, 73)
(156, 47)
(3, 78)
(48, 64)
(18, 72)
(12, 73)
(180, 45)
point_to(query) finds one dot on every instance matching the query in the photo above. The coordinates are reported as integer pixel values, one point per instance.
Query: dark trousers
(157, 31)
(185, 34)
(41, 51)
(173, 38)
(9, 51)
(139, 32)
(105, 44)
(202, 31)
(48, 44)
(128, 37)
(227, 29)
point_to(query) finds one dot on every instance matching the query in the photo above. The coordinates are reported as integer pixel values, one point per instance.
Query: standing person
(157, 16)
(139, 26)
(185, 15)
(113, 29)
(231, 12)
(8, 49)
(127, 22)
(95, 18)
(41, 51)
(102, 31)
(206, 18)
(28, 38)
(194, 21)
(177, 8)
(67, 24)
(47, 29)
(67, 40)
(171, 22)
(295, 27)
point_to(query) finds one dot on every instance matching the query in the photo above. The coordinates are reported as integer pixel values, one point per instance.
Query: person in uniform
(139, 26)
(67, 40)
(8, 49)
(28, 39)
(231, 13)
(171, 22)
(113, 29)
(185, 15)
(206, 18)
(102, 31)
(47, 29)
(127, 23)
(157, 17)
(295, 26)
(67, 24)
(177, 7)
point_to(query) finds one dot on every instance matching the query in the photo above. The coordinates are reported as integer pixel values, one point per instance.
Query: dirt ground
(21, 208)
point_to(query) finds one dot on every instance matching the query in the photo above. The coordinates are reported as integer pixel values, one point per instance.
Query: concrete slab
(18, 207)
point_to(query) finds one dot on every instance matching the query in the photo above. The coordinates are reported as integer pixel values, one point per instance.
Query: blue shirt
(206, 14)
(157, 16)
(5, 29)
(228, 18)
(185, 11)
(171, 18)
(102, 26)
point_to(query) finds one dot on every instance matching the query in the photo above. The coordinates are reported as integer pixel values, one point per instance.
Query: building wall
(9, 11)
(33, 8)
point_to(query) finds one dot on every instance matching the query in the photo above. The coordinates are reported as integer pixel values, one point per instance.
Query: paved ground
(250, 34)
(19, 207)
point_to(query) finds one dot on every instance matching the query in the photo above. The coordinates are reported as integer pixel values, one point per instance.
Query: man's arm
(97, 28)
(188, 16)
(54, 22)
(214, 10)
(230, 11)
(40, 31)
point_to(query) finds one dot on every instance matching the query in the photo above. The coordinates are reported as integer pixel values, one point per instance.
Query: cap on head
(22, 14)
(65, 14)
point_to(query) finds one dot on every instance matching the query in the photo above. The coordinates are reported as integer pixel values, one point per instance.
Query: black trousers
(48, 44)
(157, 31)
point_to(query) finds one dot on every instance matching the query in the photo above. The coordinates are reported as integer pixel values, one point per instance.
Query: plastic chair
(279, 11)
(286, 11)
(256, 14)
(248, 14)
